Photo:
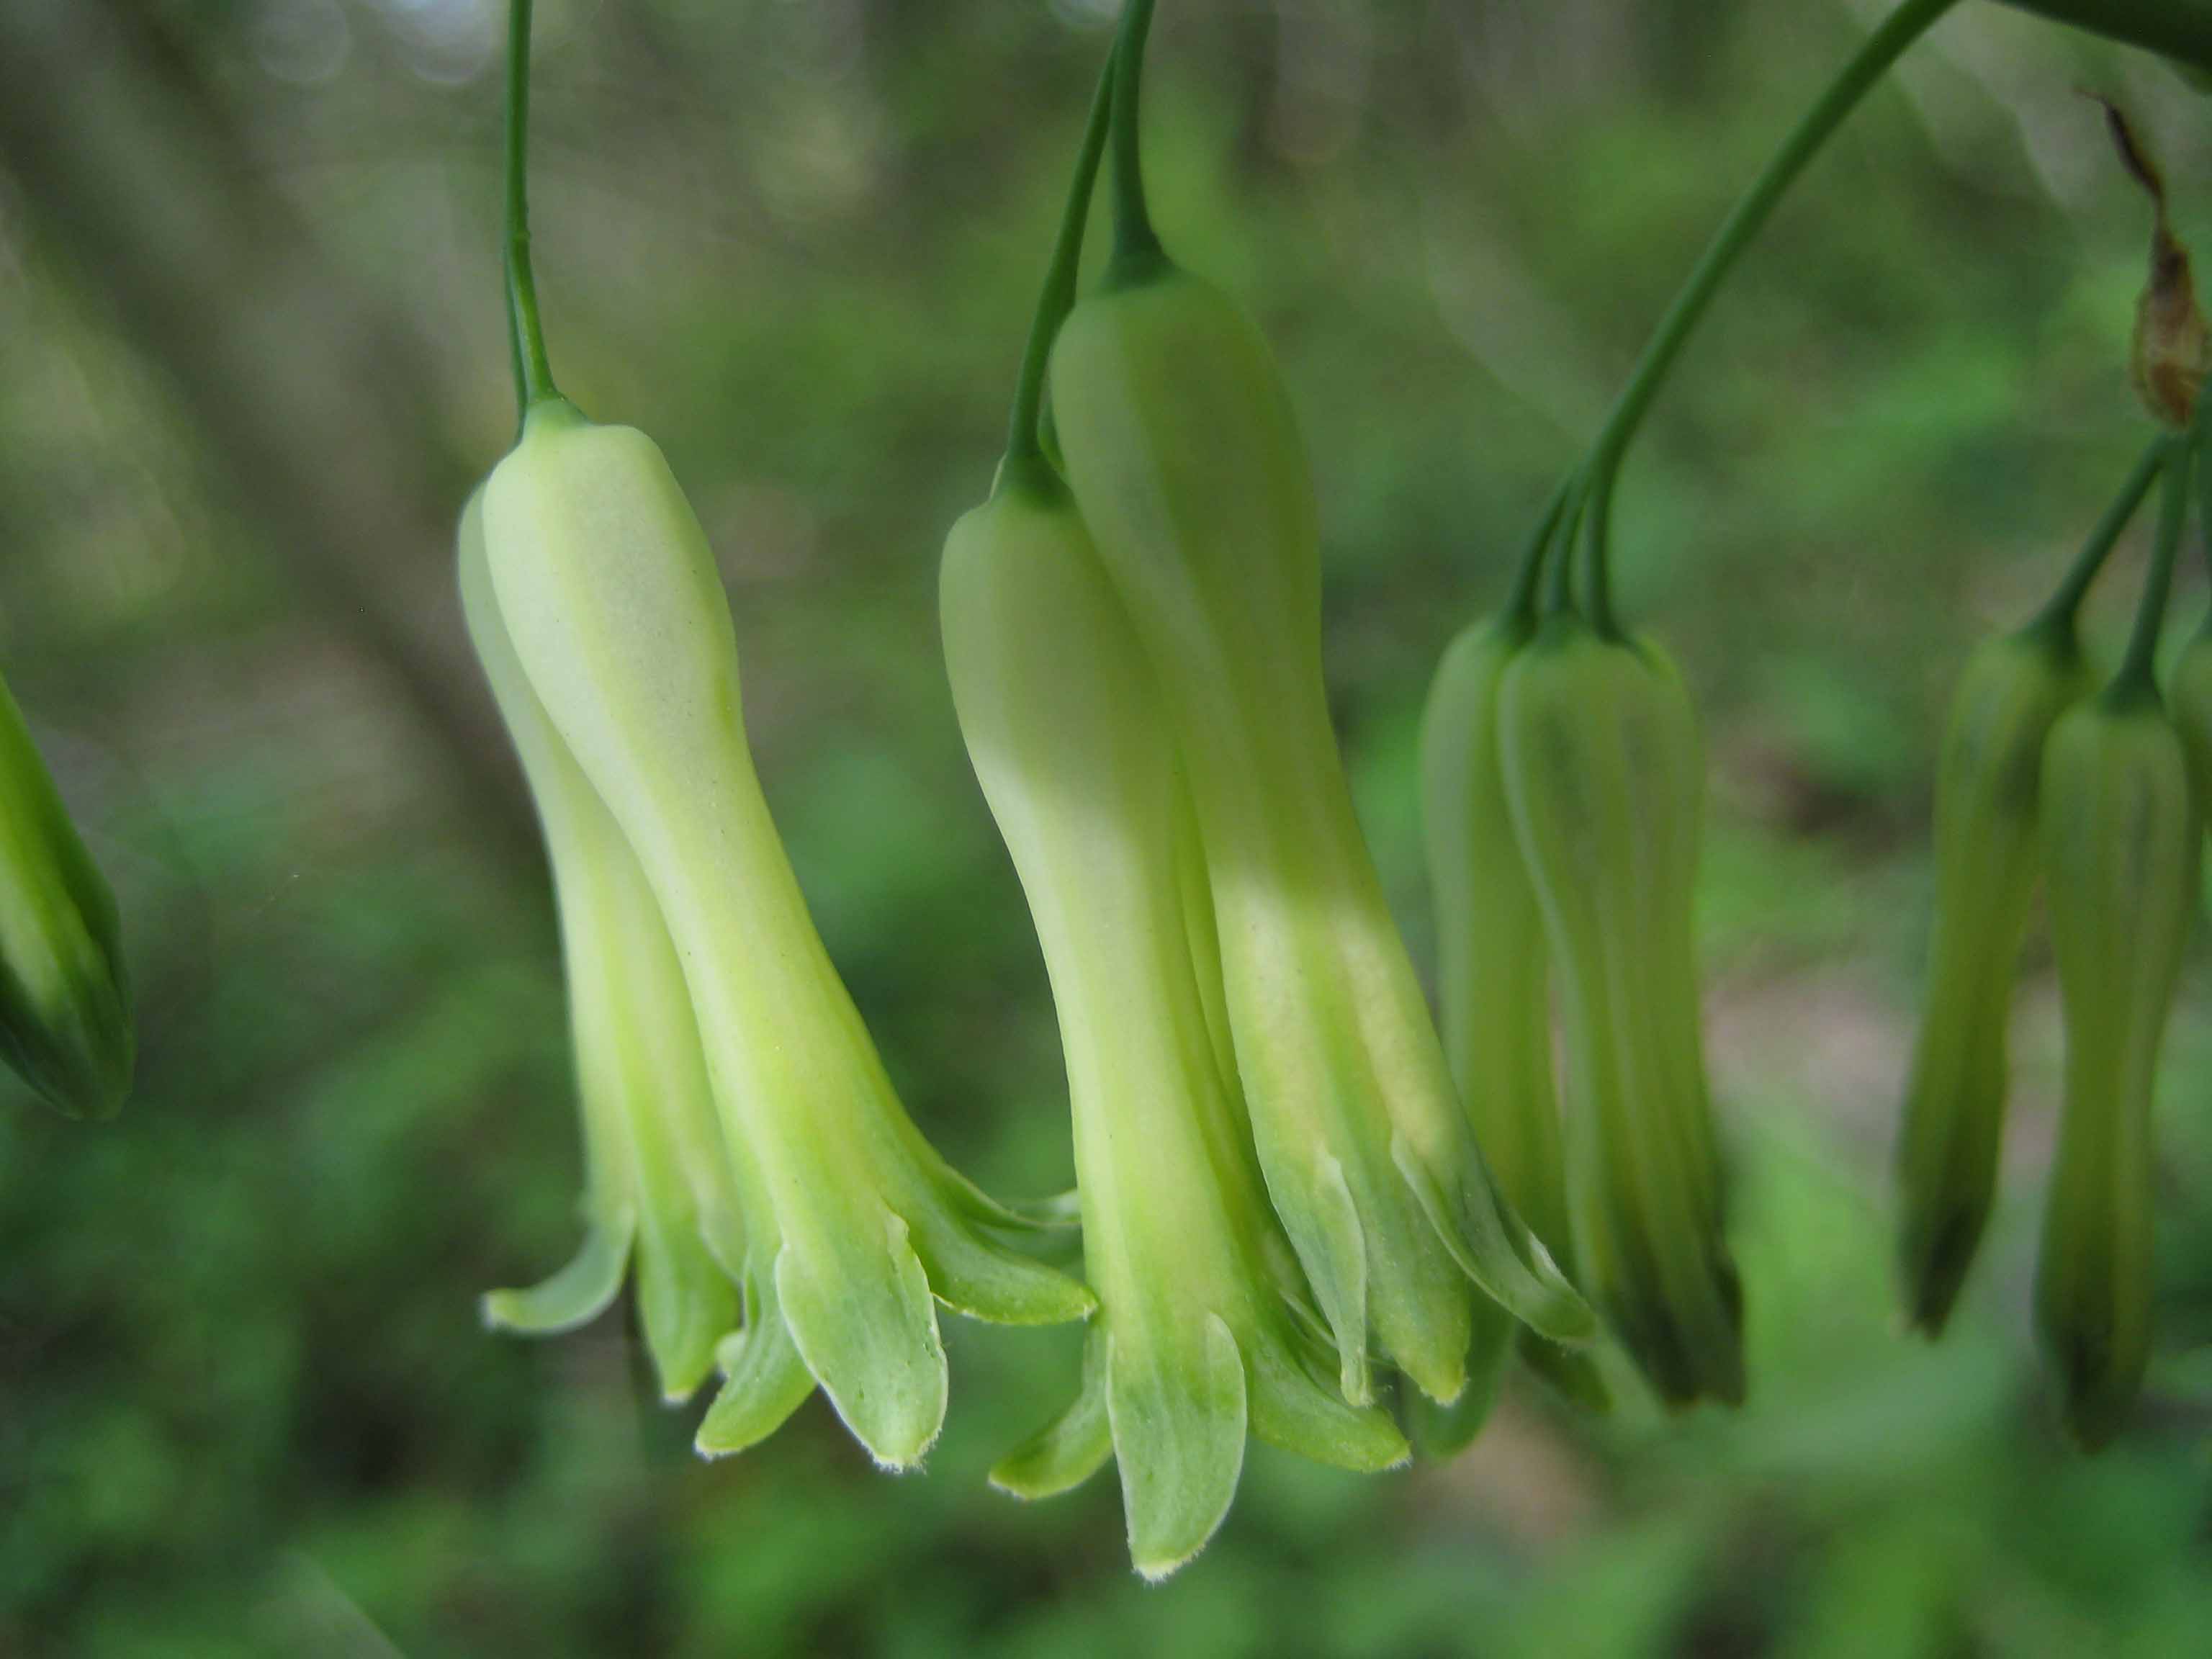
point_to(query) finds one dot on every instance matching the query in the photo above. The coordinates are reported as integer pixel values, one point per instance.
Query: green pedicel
(65, 1018)
(658, 1178)
(611, 597)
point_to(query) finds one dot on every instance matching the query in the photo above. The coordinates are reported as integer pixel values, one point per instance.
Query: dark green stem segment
(2136, 678)
(1135, 243)
(1025, 441)
(2180, 29)
(1868, 65)
(1873, 60)
(1521, 599)
(2055, 622)
(1560, 591)
(533, 373)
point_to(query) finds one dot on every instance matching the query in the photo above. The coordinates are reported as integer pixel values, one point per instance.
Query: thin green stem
(1521, 598)
(2136, 676)
(2056, 620)
(1560, 591)
(1868, 65)
(533, 381)
(1024, 440)
(1134, 239)
(1597, 574)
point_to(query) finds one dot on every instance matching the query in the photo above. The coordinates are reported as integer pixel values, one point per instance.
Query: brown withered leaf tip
(2172, 348)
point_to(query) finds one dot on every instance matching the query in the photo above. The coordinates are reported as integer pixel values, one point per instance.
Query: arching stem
(1882, 49)
(2056, 620)
(1135, 244)
(1025, 441)
(2136, 678)
(533, 373)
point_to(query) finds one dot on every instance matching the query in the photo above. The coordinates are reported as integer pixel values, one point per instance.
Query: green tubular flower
(65, 1023)
(1194, 1341)
(1186, 463)
(1493, 986)
(658, 1179)
(2121, 844)
(2014, 691)
(611, 595)
(1603, 771)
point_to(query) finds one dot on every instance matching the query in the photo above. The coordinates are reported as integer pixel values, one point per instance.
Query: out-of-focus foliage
(245, 1405)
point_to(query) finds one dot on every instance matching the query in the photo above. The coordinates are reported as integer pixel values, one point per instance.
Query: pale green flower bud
(611, 595)
(1197, 1340)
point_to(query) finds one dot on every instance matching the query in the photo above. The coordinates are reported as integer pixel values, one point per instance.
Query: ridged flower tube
(1493, 985)
(2121, 845)
(65, 1017)
(611, 595)
(1988, 784)
(1194, 1342)
(1186, 465)
(657, 1180)
(1604, 773)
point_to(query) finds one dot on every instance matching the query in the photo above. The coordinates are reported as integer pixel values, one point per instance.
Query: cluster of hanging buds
(2101, 792)
(1301, 1206)
(1564, 784)
(65, 1024)
(792, 1226)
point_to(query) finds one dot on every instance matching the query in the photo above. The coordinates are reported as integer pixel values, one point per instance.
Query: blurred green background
(251, 357)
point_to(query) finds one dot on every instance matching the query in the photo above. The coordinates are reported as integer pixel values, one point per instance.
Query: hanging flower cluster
(1307, 1214)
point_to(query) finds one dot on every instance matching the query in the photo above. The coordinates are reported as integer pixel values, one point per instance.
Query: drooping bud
(1195, 1340)
(1604, 772)
(857, 1226)
(658, 1183)
(65, 1016)
(1987, 790)
(2121, 845)
(1186, 462)
(1493, 982)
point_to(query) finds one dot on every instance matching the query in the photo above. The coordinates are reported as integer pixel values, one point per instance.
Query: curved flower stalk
(658, 1181)
(2012, 691)
(1194, 1342)
(2122, 843)
(1604, 772)
(65, 1018)
(1493, 978)
(611, 595)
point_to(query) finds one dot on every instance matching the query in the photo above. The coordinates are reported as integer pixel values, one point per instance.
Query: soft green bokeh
(245, 1405)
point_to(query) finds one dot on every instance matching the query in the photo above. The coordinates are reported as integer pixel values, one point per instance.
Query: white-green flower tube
(1186, 462)
(658, 1181)
(1194, 1341)
(611, 594)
